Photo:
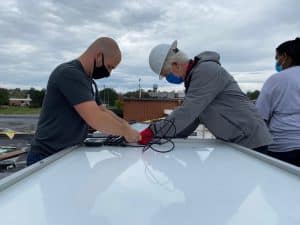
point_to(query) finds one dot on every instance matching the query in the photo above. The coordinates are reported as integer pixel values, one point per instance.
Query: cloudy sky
(36, 36)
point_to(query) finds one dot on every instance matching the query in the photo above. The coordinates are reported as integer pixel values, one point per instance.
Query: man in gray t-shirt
(69, 105)
(60, 125)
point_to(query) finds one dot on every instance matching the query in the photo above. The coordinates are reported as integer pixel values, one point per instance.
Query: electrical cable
(112, 140)
(163, 139)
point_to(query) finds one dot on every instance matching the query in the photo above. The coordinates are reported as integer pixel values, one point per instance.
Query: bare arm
(101, 120)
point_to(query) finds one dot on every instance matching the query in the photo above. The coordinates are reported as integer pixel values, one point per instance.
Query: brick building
(148, 109)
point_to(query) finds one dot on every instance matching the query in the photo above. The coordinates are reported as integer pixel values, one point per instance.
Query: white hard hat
(158, 56)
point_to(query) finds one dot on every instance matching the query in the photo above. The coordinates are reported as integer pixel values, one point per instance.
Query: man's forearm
(100, 119)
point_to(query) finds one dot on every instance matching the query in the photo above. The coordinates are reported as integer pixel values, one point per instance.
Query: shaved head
(108, 47)
(103, 51)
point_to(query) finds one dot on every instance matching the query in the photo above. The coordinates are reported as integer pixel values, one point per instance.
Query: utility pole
(108, 98)
(104, 93)
(140, 90)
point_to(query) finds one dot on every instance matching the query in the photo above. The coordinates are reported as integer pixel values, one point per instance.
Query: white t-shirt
(279, 103)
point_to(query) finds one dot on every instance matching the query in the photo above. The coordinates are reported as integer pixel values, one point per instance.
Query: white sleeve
(265, 101)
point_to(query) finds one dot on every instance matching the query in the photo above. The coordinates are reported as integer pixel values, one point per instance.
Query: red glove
(146, 135)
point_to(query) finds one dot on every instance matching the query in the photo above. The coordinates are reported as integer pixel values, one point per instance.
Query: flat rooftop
(199, 182)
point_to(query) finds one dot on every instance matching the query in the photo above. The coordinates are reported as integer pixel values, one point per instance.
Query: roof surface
(200, 182)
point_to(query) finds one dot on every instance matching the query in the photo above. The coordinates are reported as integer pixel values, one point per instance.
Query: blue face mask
(171, 78)
(278, 67)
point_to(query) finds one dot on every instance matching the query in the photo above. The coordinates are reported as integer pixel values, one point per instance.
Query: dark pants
(292, 157)
(262, 149)
(33, 157)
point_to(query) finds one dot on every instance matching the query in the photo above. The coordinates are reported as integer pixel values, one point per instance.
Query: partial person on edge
(70, 105)
(212, 98)
(279, 103)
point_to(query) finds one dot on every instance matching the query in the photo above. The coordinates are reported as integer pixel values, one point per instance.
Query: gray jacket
(214, 99)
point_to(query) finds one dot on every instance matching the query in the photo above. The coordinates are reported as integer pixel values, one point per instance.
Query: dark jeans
(292, 157)
(262, 149)
(33, 157)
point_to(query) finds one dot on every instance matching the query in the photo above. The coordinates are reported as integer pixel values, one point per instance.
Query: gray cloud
(36, 36)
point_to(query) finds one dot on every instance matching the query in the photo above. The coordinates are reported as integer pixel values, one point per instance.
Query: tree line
(36, 96)
(108, 96)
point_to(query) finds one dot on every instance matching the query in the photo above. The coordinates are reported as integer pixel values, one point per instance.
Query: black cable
(96, 92)
(112, 140)
(161, 140)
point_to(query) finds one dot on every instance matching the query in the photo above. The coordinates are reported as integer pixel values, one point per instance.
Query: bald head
(108, 47)
(105, 51)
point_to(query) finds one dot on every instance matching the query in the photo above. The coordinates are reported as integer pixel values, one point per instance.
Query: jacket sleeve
(208, 80)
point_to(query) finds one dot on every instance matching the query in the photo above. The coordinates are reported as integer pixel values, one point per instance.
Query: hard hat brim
(172, 46)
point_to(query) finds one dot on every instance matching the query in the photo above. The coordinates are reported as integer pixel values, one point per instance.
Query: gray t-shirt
(59, 125)
(279, 104)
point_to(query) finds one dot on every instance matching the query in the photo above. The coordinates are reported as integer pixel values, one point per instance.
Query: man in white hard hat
(213, 98)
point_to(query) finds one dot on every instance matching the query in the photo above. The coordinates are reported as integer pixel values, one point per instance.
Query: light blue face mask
(171, 78)
(278, 67)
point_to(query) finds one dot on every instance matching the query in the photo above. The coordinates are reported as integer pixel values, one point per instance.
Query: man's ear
(175, 64)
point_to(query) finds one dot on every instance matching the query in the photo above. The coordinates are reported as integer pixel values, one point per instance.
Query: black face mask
(100, 72)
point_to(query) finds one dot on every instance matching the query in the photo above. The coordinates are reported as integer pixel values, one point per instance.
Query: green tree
(4, 96)
(108, 96)
(17, 93)
(136, 94)
(119, 104)
(253, 95)
(37, 97)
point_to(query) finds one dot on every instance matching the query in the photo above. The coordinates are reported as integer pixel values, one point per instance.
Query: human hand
(132, 135)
